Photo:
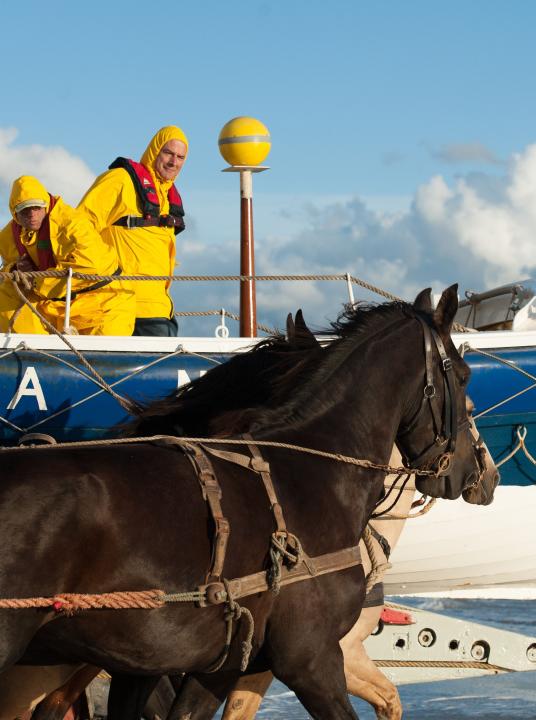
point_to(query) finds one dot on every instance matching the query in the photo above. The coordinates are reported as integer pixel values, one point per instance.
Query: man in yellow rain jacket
(136, 207)
(48, 234)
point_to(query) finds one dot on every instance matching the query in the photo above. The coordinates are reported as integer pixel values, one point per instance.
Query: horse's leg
(58, 702)
(201, 695)
(162, 697)
(22, 687)
(245, 698)
(129, 694)
(363, 677)
(318, 681)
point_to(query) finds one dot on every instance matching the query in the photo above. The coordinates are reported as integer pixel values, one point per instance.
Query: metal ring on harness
(32, 439)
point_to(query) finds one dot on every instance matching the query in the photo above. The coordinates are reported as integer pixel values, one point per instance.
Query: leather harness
(293, 564)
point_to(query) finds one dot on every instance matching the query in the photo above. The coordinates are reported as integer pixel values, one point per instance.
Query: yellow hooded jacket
(74, 244)
(141, 250)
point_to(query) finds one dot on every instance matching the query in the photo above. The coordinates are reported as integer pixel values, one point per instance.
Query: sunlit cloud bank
(61, 172)
(478, 231)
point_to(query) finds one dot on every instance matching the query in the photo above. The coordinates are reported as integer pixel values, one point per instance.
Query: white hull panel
(459, 546)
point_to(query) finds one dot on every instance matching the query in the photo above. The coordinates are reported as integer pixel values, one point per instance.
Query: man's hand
(24, 264)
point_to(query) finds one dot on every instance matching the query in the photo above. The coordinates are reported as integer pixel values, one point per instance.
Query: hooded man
(136, 207)
(48, 234)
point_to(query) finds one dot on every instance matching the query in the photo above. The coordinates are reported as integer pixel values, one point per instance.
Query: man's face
(31, 218)
(170, 159)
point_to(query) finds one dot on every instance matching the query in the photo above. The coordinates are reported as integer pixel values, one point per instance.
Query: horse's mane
(272, 384)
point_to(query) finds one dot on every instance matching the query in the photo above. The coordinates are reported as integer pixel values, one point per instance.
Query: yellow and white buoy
(244, 142)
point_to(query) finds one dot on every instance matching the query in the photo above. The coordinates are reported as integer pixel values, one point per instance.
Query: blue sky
(402, 132)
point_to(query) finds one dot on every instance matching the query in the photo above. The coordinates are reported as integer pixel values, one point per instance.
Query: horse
(363, 678)
(313, 399)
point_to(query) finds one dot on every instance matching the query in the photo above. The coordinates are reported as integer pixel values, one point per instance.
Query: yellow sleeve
(79, 245)
(8, 249)
(111, 196)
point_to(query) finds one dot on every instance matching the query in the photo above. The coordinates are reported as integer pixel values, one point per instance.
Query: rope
(466, 347)
(378, 569)
(441, 664)
(233, 612)
(210, 313)
(278, 552)
(70, 603)
(131, 407)
(338, 457)
(346, 277)
(429, 504)
(521, 432)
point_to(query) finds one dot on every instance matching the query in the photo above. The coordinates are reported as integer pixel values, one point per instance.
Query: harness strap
(135, 221)
(260, 465)
(212, 494)
(215, 593)
(256, 463)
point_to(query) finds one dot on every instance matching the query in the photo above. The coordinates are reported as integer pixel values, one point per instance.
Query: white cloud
(60, 172)
(479, 231)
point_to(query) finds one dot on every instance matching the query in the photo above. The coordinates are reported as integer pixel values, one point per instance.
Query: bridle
(439, 454)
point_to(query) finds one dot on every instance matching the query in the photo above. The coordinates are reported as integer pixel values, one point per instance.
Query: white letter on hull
(183, 377)
(29, 385)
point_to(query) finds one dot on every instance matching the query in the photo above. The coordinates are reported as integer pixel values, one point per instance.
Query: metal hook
(222, 331)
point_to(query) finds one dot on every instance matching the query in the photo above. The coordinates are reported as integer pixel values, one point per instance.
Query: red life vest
(148, 197)
(45, 256)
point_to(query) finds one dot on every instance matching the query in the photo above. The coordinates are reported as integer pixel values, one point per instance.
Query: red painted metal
(248, 303)
(390, 616)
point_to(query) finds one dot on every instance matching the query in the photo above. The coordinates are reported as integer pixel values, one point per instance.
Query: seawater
(500, 697)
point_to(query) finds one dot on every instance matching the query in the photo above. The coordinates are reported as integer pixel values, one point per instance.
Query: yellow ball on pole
(244, 141)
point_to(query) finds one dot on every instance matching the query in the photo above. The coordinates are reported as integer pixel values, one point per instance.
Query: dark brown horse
(132, 516)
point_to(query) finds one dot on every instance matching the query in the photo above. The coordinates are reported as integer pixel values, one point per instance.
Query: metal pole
(248, 303)
(67, 319)
(350, 289)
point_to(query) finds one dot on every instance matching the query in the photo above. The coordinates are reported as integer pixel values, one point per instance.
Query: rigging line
(179, 351)
(512, 366)
(503, 402)
(12, 425)
(504, 361)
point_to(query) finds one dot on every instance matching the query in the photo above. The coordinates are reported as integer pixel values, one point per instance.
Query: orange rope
(71, 602)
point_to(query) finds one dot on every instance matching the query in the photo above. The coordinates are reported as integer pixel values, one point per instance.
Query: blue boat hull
(51, 392)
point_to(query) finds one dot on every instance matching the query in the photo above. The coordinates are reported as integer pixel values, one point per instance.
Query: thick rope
(377, 569)
(16, 275)
(70, 603)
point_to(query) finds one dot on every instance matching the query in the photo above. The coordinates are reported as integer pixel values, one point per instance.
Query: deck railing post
(68, 291)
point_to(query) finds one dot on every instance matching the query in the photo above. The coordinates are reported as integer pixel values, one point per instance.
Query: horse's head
(439, 435)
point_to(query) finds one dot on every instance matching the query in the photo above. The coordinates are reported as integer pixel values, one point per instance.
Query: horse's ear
(446, 309)
(303, 337)
(423, 301)
(291, 329)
